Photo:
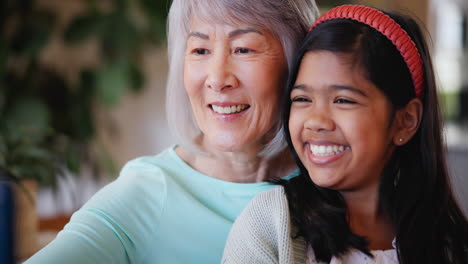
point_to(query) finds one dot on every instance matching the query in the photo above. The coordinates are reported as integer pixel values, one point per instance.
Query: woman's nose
(319, 120)
(220, 74)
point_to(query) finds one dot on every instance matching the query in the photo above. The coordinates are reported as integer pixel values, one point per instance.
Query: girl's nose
(319, 120)
(220, 75)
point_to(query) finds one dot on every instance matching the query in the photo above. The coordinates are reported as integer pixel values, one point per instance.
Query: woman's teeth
(321, 150)
(229, 109)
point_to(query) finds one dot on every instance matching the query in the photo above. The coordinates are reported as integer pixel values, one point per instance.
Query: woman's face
(340, 123)
(233, 76)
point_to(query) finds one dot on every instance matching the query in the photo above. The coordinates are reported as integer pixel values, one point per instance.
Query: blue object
(159, 210)
(6, 223)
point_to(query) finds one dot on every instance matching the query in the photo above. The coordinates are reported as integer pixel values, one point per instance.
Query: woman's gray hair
(288, 20)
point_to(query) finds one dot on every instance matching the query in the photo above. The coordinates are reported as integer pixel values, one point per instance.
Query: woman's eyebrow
(232, 34)
(198, 35)
(238, 32)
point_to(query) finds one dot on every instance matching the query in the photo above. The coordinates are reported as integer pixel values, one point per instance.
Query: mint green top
(159, 210)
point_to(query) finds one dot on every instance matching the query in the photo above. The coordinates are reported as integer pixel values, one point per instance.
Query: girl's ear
(408, 120)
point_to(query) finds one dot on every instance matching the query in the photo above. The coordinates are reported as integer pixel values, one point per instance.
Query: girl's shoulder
(263, 232)
(270, 199)
(266, 209)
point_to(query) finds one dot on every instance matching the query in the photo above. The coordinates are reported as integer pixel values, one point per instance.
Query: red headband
(390, 29)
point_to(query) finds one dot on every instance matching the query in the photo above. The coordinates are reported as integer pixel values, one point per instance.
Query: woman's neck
(241, 166)
(366, 219)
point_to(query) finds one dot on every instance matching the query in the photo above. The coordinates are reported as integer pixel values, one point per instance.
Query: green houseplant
(46, 122)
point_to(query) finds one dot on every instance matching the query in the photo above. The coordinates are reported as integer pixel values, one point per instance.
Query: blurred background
(82, 91)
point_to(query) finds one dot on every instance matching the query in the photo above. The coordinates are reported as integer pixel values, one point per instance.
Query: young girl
(363, 123)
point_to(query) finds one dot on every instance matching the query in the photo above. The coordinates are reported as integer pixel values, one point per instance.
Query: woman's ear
(408, 120)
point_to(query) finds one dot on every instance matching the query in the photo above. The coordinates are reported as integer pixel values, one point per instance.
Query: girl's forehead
(347, 61)
(326, 71)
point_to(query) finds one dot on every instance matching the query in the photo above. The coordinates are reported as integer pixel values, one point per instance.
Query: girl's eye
(200, 51)
(243, 50)
(299, 99)
(344, 101)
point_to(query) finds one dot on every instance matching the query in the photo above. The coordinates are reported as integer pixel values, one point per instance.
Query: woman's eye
(243, 50)
(344, 101)
(200, 51)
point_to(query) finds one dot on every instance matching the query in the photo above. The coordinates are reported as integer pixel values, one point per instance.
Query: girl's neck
(366, 219)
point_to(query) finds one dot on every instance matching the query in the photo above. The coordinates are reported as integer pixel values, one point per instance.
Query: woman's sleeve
(261, 232)
(115, 225)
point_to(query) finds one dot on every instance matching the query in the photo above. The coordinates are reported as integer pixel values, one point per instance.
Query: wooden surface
(53, 224)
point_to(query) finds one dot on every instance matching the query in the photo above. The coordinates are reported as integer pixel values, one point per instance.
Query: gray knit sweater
(263, 234)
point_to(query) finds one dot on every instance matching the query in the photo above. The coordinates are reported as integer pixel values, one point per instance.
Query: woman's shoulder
(148, 163)
(155, 170)
(142, 181)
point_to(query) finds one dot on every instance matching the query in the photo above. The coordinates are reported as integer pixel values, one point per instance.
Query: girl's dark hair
(414, 192)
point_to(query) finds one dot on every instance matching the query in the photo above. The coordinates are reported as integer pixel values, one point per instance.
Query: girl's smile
(322, 154)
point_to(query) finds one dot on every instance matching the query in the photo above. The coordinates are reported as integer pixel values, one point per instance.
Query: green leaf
(43, 173)
(137, 78)
(120, 36)
(83, 28)
(46, 174)
(3, 58)
(112, 82)
(82, 121)
(158, 8)
(157, 28)
(3, 152)
(73, 159)
(28, 152)
(87, 81)
(156, 13)
(28, 117)
(33, 34)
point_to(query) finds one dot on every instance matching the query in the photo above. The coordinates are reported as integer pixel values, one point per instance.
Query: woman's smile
(227, 111)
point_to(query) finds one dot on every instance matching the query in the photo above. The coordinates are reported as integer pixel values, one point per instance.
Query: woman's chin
(227, 147)
(232, 141)
(226, 144)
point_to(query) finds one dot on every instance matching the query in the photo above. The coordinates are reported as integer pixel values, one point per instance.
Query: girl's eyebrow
(299, 86)
(349, 88)
(336, 88)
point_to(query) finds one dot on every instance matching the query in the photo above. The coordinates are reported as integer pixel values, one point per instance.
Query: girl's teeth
(321, 150)
(228, 109)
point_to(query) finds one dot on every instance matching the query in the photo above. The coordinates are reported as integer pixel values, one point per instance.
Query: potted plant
(46, 121)
(28, 158)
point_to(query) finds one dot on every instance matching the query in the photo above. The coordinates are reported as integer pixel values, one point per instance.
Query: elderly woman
(228, 66)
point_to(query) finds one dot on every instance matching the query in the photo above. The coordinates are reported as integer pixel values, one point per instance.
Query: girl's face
(340, 123)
